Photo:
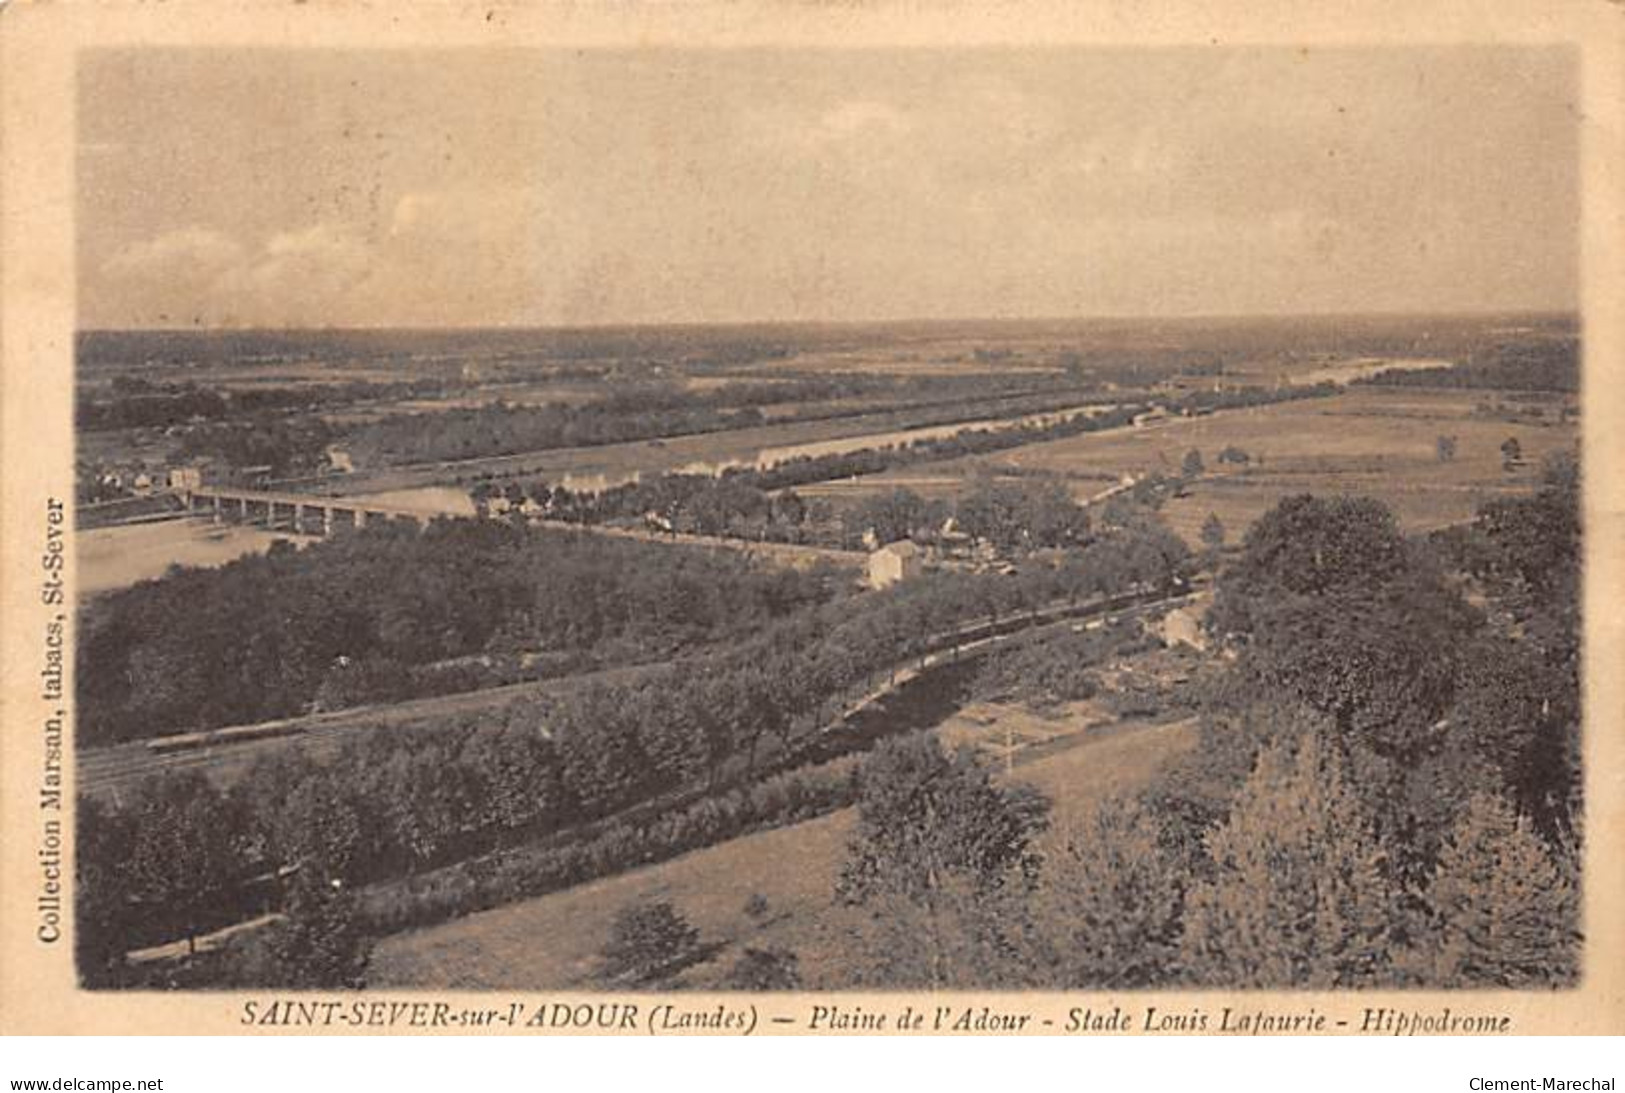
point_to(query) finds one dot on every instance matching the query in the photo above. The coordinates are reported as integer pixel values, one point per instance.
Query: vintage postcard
(780, 519)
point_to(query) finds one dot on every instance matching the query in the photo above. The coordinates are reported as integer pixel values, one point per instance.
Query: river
(111, 558)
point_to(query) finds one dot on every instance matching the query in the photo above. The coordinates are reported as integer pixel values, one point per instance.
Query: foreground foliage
(1385, 793)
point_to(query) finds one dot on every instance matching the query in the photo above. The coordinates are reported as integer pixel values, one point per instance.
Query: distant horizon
(1283, 316)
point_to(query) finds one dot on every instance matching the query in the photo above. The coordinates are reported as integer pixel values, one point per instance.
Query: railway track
(109, 771)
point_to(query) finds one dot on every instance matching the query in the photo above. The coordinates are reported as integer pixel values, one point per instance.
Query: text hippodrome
(624, 1016)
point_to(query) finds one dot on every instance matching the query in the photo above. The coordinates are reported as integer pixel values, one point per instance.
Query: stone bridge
(302, 513)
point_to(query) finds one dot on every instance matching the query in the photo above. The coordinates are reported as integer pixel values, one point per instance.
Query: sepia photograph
(762, 520)
(806, 526)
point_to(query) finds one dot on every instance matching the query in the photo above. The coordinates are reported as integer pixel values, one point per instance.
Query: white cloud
(187, 251)
(465, 215)
(306, 270)
(206, 275)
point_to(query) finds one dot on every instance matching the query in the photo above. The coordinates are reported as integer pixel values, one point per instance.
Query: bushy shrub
(649, 941)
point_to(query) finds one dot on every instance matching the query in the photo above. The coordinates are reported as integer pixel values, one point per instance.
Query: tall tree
(1299, 895)
(648, 941)
(1337, 610)
(183, 861)
(925, 816)
(102, 918)
(1501, 912)
(320, 944)
(319, 828)
(1107, 915)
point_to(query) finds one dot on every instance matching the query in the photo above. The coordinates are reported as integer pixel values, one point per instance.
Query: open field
(1372, 441)
(1334, 370)
(552, 942)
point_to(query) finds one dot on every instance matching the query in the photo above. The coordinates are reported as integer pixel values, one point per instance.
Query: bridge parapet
(299, 507)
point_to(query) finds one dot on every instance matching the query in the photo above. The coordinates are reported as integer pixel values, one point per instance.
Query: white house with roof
(185, 479)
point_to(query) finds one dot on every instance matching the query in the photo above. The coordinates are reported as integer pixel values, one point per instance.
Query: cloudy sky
(309, 188)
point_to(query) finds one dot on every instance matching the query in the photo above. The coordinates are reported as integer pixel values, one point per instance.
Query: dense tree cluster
(332, 624)
(1529, 364)
(938, 847)
(404, 803)
(642, 411)
(1015, 516)
(289, 445)
(136, 402)
(1350, 818)
(1056, 667)
(649, 941)
(926, 816)
(690, 504)
(477, 432)
(339, 851)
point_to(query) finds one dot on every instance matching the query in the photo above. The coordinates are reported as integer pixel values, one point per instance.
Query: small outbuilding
(339, 460)
(1182, 626)
(185, 479)
(895, 562)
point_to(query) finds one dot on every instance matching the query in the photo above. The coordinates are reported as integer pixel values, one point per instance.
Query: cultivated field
(552, 942)
(1372, 441)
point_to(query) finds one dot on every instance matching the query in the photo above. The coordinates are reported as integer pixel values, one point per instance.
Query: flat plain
(1370, 441)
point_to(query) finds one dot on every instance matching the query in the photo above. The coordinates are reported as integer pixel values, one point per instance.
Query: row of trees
(1014, 516)
(136, 402)
(452, 434)
(1533, 364)
(760, 503)
(642, 410)
(290, 445)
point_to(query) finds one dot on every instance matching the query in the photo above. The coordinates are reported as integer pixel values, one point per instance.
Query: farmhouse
(339, 459)
(1182, 627)
(185, 479)
(895, 562)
